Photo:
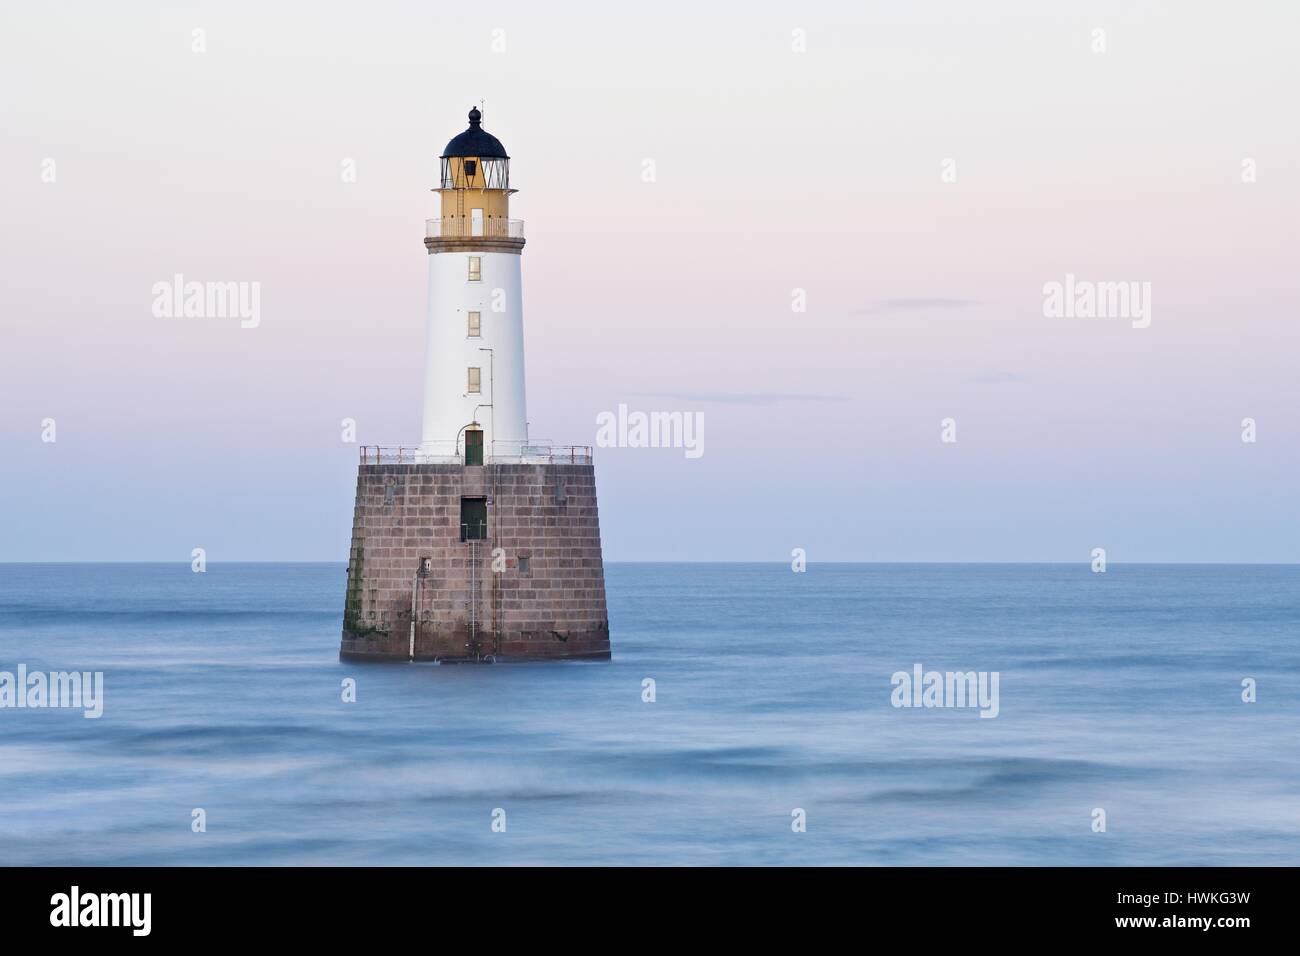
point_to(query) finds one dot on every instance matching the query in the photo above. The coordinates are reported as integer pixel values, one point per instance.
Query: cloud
(915, 304)
(746, 398)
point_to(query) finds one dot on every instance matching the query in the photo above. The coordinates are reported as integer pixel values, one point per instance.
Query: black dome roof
(475, 141)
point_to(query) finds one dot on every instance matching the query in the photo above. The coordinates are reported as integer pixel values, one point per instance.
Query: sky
(913, 175)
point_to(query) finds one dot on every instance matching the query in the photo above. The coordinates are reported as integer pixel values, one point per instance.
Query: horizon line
(1257, 564)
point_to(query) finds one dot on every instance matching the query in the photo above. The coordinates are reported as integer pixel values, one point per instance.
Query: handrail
(463, 227)
(500, 452)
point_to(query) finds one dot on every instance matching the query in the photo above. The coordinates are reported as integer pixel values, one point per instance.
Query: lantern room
(475, 184)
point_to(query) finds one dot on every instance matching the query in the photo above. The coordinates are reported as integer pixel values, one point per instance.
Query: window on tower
(475, 268)
(474, 380)
(470, 168)
(475, 325)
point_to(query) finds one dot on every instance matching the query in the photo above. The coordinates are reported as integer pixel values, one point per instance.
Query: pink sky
(775, 170)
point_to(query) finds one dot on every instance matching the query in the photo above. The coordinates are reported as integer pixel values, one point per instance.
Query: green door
(473, 446)
(473, 519)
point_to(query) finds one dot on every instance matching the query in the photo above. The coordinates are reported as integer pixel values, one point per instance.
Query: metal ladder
(473, 602)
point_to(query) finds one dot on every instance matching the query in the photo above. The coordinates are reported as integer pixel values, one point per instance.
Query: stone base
(532, 589)
(593, 646)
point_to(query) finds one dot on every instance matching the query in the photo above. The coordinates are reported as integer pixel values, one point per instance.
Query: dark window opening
(470, 167)
(473, 519)
(523, 564)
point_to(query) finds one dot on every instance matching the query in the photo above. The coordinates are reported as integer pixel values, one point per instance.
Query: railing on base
(499, 452)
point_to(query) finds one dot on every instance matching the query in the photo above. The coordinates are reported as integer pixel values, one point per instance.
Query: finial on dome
(474, 116)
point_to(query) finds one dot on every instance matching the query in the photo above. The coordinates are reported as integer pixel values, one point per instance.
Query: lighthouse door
(476, 222)
(473, 446)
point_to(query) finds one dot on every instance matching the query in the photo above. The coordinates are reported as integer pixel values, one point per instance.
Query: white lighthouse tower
(474, 404)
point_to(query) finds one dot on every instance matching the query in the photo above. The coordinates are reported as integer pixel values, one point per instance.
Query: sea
(1148, 715)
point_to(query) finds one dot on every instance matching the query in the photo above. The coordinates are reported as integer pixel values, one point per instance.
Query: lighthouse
(478, 543)
(474, 360)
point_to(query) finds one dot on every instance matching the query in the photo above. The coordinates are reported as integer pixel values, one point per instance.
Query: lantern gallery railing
(499, 452)
(467, 226)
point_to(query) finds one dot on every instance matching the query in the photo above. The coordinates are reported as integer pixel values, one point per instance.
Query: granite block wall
(532, 589)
